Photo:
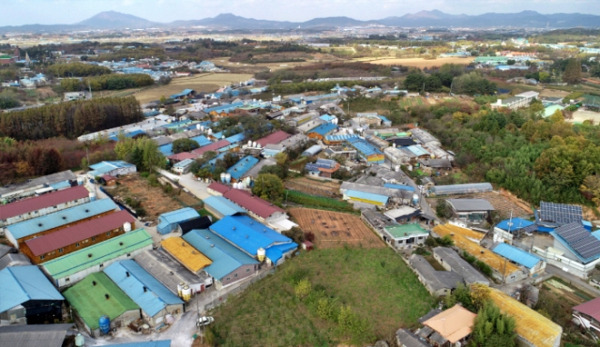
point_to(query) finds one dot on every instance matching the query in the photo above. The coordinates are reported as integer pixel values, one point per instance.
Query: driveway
(189, 182)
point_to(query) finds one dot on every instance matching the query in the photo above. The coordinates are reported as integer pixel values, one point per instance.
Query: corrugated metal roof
(183, 156)
(187, 255)
(399, 186)
(145, 290)
(591, 308)
(466, 205)
(417, 150)
(252, 203)
(517, 255)
(96, 296)
(215, 146)
(364, 147)
(462, 188)
(248, 234)
(236, 138)
(100, 253)
(382, 199)
(184, 163)
(60, 218)
(177, 216)
(238, 170)
(218, 187)
(105, 167)
(273, 138)
(78, 232)
(225, 257)
(323, 129)
(20, 207)
(20, 284)
(337, 138)
(47, 180)
(223, 206)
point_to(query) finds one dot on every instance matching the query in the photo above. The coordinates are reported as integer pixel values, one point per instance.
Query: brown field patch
(152, 199)
(327, 189)
(206, 83)
(335, 229)
(503, 201)
(422, 63)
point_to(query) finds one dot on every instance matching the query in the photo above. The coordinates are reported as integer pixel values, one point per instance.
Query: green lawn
(373, 287)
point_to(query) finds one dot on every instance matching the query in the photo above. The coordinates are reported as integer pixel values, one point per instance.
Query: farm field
(375, 287)
(152, 199)
(319, 202)
(580, 116)
(209, 82)
(315, 187)
(421, 62)
(334, 229)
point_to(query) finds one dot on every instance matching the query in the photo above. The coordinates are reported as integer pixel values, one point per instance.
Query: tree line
(106, 82)
(77, 70)
(70, 119)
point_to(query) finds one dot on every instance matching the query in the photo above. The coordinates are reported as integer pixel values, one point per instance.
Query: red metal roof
(78, 232)
(252, 203)
(212, 147)
(219, 187)
(182, 156)
(20, 207)
(591, 308)
(273, 138)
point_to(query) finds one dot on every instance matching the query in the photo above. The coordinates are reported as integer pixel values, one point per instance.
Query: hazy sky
(17, 12)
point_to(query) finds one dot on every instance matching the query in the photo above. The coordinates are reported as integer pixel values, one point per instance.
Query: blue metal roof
(417, 150)
(224, 108)
(399, 186)
(344, 137)
(183, 93)
(167, 149)
(366, 196)
(177, 216)
(223, 205)
(248, 234)
(60, 218)
(276, 252)
(236, 138)
(225, 257)
(384, 118)
(516, 255)
(159, 343)
(19, 284)
(132, 279)
(514, 224)
(240, 168)
(104, 167)
(131, 134)
(184, 163)
(364, 147)
(202, 140)
(324, 129)
(328, 118)
(61, 185)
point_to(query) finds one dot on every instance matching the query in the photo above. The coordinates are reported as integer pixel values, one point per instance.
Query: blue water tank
(104, 323)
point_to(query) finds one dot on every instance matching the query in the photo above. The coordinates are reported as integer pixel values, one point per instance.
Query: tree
(184, 145)
(268, 187)
(572, 73)
(591, 188)
(142, 152)
(443, 210)
(414, 81)
(492, 328)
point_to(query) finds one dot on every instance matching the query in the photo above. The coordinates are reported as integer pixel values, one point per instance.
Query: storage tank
(104, 324)
(126, 227)
(79, 340)
(228, 177)
(249, 143)
(92, 196)
(80, 181)
(260, 254)
(415, 199)
(209, 131)
(186, 293)
(222, 177)
(198, 127)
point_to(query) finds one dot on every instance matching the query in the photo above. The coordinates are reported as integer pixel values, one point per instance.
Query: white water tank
(126, 227)
(180, 289)
(222, 177)
(209, 132)
(260, 254)
(227, 177)
(186, 293)
(249, 143)
(92, 196)
(198, 126)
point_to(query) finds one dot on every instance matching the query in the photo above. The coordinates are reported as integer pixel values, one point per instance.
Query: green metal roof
(101, 252)
(90, 302)
(405, 230)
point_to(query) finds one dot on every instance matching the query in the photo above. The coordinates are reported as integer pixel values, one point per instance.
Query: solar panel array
(560, 213)
(580, 239)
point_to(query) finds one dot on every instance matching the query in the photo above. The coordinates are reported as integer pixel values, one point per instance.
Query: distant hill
(228, 21)
(116, 20)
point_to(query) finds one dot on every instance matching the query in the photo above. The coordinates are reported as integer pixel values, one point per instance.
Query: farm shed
(167, 222)
(503, 231)
(437, 283)
(239, 169)
(273, 138)
(229, 264)
(587, 315)
(453, 326)
(183, 167)
(451, 261)
(113, 168)
(404, 338)
(365, 197)
(368, 152)
(71, 268)
(221, 207)
(96, 296)
(187, 255)
(20, 232)
(35, 335)
(27, 297)
(533, 263)
(474, 211)
(405, 235)
(256, 207)
(312, 151)
(155, 300)
(457, 189)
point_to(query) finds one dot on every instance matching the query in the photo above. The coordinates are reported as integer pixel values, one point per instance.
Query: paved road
(572, 279)
(189, 182)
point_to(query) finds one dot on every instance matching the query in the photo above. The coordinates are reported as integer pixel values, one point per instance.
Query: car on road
(204, 321)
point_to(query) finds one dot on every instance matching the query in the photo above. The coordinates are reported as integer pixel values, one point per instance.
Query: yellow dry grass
(187, 255)
(209, 82)
(531, 326)
(421, 62)
(459, 236)
(451, 228)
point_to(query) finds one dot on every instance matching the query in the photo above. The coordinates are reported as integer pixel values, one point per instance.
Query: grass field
(209, 82)
(375, 285)
(421, 62)
(334, 229)
(307, 185)
(318, 202)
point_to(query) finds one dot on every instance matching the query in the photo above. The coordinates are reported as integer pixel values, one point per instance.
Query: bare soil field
(320, 188)
(553, 93)
(152, 199)
(421, 62)
(580, 116)
(243, 66)
(335, 229)
(209, 82)
(504, 203)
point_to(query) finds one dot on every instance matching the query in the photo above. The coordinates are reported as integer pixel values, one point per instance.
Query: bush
(302, 288)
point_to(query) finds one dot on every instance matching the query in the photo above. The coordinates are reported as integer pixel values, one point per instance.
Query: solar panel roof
(560, 213)
(580, 239)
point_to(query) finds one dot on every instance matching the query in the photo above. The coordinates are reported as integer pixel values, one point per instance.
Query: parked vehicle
(204, 321)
